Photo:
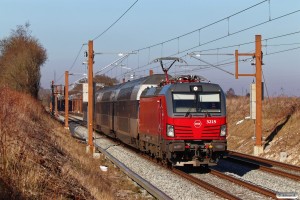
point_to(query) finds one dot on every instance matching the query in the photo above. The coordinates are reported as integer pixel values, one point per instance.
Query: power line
(223, 63)
(228, 63)
(242, 30)
(115, 21)
(199, 29)
(276, 52)
(214, 40)
(246, 43)
(76, 57)
(278, 45)
(73, 61)
(213, 65)
(99, 36)
(229, 34)
(287, 34)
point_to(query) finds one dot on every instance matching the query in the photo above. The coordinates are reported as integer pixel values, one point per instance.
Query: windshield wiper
(207, 114)
(188, 113)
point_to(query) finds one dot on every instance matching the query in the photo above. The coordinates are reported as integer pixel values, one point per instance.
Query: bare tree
(106, 80)
(21, 57)
(230, 93)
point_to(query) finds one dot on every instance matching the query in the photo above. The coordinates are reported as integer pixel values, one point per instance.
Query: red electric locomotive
(184, 122)
(179, 121)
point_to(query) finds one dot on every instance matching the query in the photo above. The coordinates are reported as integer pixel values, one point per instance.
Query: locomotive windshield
(196, 103)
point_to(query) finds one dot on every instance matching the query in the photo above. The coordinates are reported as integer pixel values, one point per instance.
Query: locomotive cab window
(184, 102)
(209, 103)
(196, 102)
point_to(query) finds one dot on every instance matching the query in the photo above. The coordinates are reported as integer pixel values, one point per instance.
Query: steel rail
(250, 186)
(154, 191)
(266, 169)
(193, 179)
(205, 185)
(264, 160)
(157, 193)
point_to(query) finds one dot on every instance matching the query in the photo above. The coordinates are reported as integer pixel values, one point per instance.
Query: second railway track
(276, 168)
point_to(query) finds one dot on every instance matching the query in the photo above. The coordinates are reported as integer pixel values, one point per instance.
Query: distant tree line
(107, 81)
(21, 58)
(230, 93)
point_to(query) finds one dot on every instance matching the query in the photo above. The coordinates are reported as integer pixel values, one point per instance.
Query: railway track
(265, 165)
(203, 184)
(217, 190)
(154, 191)
(263, 160)
(250, 186)
(212, 187)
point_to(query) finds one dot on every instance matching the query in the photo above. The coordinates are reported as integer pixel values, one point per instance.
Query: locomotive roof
(180, 87)
(130, 90)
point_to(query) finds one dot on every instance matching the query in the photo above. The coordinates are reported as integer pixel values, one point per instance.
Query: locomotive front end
(195, 124)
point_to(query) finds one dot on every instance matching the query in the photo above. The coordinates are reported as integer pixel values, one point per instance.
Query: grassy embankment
(281, 127)
(40, 160)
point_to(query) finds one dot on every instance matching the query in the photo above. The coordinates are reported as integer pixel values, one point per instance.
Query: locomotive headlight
(223, 130)
(170, 130)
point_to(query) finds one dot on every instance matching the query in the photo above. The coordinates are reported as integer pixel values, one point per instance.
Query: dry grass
(40, 160)
(281, 127)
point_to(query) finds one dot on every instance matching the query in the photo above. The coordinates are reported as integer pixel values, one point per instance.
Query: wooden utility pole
(55, 96)
(150, 72)
(52, 99)
(258, 148)
(90, 96)
(67, 100)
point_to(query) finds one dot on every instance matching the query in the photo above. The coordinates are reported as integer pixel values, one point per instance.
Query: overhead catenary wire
(278, 45)
(252, 42)
(179, 52)
(225, 36)
(115, 21)
(212, 65)
(229, 34)
(73, 64)
(281, 51)
(242, 30)
(228, 63)
(241, 44)
(113, 63)
(99, 36)
(206, 26)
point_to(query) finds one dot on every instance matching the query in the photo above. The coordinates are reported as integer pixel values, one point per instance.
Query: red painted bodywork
(151, 116)
(154, 119)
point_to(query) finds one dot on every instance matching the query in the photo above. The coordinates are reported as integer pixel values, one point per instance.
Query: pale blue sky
(63, 26)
